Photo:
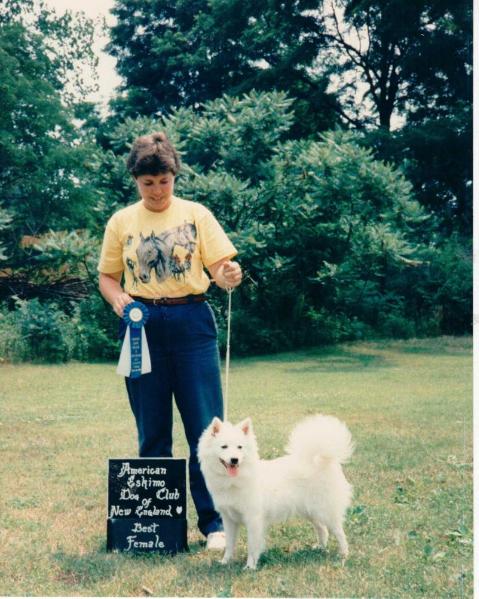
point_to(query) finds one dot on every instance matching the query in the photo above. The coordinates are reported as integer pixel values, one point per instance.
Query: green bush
(42, 332)
(96, 330)
(397, 326)
(35, 331)
(332, 242)
(13, 347)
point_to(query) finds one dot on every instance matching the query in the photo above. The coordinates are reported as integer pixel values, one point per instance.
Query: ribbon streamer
(135, 355)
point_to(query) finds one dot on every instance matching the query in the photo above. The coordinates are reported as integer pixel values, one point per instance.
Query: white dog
(308, 482)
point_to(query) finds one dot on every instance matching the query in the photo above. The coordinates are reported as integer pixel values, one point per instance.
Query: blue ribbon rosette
(135, 355)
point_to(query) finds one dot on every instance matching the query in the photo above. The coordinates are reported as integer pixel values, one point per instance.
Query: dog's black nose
(234, 461)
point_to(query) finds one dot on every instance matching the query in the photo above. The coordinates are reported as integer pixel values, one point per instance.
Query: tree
(409, 64)
(67, 42)
(330, 239)
(333, 244)
(410, 58)
(44, 175)
(182, 53)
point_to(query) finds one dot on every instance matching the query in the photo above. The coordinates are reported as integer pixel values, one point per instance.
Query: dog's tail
(319, 437)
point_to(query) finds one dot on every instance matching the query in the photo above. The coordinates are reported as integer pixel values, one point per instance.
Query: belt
(171, 301)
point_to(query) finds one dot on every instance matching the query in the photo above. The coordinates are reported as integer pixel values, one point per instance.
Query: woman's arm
(112, 291)
(226, 274)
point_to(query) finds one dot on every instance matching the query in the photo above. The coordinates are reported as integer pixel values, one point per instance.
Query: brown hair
(152, 155)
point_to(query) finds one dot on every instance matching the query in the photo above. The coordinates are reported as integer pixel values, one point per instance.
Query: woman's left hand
(226, 274)
(232, 274)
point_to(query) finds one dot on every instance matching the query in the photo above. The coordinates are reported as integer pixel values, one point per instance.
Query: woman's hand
(227, 274)
(119, 303)
(113, 292)
(232, 274)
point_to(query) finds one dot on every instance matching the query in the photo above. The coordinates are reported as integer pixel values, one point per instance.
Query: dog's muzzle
(232, 467)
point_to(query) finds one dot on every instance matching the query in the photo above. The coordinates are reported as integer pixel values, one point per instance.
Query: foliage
(371, 65)
(46, 187)
(51, 332)
(414, 58)
(407, 66)
(38, 332)
(67, 42)
(96, 330)
(42, 163)
(206, 49)
(5, 220)
(332, 241)
(333, 244)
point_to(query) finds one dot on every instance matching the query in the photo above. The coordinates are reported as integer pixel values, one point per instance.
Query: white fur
(307, 482)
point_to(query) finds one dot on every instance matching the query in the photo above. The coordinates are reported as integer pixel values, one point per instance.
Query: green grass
(408, 405)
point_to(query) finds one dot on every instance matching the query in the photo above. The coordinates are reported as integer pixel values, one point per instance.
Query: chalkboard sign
(147, 505)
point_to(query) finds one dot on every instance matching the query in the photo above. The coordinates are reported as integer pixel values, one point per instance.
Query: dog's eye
(224, 447)
(240, 447)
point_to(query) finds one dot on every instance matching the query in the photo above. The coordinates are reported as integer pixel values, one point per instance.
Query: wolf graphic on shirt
(168, 254)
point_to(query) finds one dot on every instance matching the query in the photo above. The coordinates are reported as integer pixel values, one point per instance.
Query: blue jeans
(185, 364)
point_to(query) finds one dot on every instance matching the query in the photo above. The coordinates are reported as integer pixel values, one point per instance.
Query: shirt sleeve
(111, 256)
(214, 243)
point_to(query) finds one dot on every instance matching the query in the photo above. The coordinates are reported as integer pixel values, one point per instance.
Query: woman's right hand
(112, 291)
(119, 303)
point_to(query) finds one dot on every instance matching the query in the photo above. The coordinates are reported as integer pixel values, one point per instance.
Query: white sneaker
(216, 540)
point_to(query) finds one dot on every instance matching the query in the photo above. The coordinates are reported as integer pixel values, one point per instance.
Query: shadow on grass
(87, 569)
(307, 555)
(340, 360)
(272, 558)
(437, 350)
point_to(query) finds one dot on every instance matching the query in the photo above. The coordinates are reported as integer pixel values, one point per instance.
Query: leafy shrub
(41, 332)
(332, 242)
(36, 331)
(397, 326)
(13, 347)
(96, 330)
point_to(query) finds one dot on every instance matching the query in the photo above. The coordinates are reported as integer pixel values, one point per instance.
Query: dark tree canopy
(181, 53)
(412, 57)
(413, 61)
(42, 177)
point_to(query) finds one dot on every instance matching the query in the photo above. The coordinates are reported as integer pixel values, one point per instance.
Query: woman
(160, 246)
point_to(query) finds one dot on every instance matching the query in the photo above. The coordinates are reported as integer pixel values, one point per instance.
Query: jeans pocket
(212, 318)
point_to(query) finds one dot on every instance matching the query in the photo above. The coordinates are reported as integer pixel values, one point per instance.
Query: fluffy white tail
(321, 437)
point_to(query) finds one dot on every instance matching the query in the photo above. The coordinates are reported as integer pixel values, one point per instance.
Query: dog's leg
(322, 533)
(255, 530)
(231, 533)
(338, 532)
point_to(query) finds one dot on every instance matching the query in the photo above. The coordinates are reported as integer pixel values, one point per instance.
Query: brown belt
(171, 301)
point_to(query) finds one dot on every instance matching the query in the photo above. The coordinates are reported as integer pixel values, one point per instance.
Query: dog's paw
(225, 560)
(251, 564)
(343, 557)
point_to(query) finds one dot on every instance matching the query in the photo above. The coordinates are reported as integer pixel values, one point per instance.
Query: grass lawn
(407, 403)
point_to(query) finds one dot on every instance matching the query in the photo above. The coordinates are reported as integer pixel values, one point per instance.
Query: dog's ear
(216, 426)
(246, 426)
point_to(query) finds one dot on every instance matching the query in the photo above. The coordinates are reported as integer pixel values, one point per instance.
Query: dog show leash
(229, 290)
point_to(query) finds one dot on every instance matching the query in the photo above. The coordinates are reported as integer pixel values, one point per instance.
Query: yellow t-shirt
(162, 254)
